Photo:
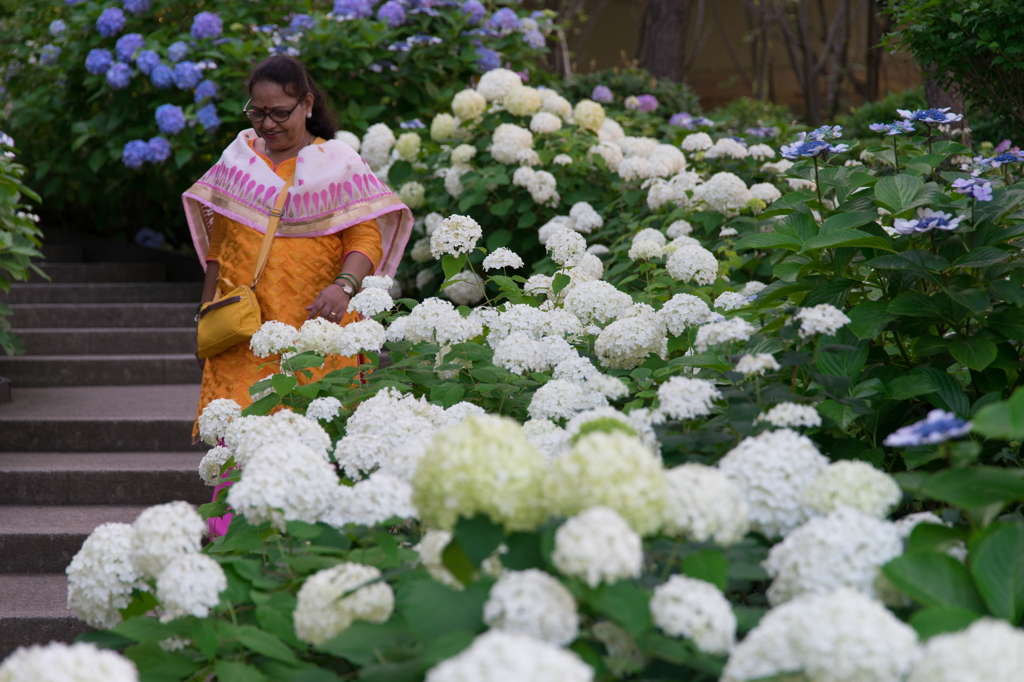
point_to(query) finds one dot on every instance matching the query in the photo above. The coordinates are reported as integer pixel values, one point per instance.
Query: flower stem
(817, 185)
(896, 153)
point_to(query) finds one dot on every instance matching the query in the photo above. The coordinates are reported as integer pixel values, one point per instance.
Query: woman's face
(268, 97)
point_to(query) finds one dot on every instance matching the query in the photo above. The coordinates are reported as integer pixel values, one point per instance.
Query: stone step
(78, 478)
(100, 370)
(155, 340)
(33, 610)
(99, 419)
(101, 272)
(43, 539)
(62, 253)
(64, 315)
(152, 292)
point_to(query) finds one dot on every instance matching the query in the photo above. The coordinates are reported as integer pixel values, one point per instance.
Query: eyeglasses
(279, 115)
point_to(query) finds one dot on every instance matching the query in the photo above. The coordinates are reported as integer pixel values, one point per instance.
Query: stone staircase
(99, 426)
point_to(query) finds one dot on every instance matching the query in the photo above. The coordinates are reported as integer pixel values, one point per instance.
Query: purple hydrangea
(206, 90)
(72, 3)
(392, 12)
(974, 187)
(534, 39)
(930, 116)
(170, 119)
(474, 11)
(207, 117)
(119, 76)
(159, 150)
(894, 128)
(353, 9)
(487, 59)
(602, 94)
(414, 124)
(207, 25)
(504, 20)
(147, 61)
(137, 7)
(128, 46)
(57, 26)
(826, 133)
(811, 148)
(302, 22)
(763, 131)
(1003, 146)
(135, 154)
(1006, 157)
(689, 121)
(647, 103)
(162, 77)
(926, 221)
(49, 55)
(187, 75)
(177, 51)
(111, 22)
(937, 428)
(99, 61)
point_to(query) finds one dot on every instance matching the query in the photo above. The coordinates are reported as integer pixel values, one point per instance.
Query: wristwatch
(346, 286)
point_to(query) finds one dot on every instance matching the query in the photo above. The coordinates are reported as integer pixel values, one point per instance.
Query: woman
(339, 223)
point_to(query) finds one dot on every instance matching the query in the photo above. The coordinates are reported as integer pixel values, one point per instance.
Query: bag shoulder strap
(275, 219)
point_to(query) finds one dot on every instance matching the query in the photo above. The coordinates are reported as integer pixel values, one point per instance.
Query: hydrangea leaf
(997, 563)
(974, 352)
(934, 579)
(151, 660)
(1003, 420)
(936, 620)
(975, 487)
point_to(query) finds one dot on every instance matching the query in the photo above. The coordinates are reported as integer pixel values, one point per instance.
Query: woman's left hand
(331, 304)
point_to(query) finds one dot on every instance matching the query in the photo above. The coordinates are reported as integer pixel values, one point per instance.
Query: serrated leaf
(974, 487)
(975, 352)
(997, 564)
(934, 579)
(981, 257)
(1003, 420)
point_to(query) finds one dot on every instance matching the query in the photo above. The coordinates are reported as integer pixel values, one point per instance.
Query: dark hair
(291, 75)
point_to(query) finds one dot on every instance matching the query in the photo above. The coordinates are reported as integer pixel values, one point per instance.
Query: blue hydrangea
(487, 59)
(177, 51)
(926, 221)
(187, 75)
(111, 22)
(136, 154)
(206, 90)
(826, 133)
(937, 428)
(504, 20)
(99, 61)
(930, 116)
(534, 39)
(602, 94)
(207, 25)
(353, 9)
(57, 27)
(119, 76)
(811, 148)
(49, 55)
(162, 77)
(1006, 157)
(137, 7)
(170, 119)
(763, 131)
(128, 46)
(147, 61)
(207, 117)
(159, 150)
(414, 124)
(474, 11)
(302, 22)
(392, 12)
(894, 128)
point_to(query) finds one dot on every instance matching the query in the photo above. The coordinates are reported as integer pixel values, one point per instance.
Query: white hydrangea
(821, 319)
(542, 187)
(562, 160)
(282, 427)
(598, 302)
(791, 415)
(610, 131)
(549, 438)
(502, 257)
(326, 408)
(351, 139)
(421, 250)
(585, 218)
(272, 338)
(376, 146)
(466, 288)
(431, 548)
(853, 484)
(468, 105)
(190, 586)
(666, 160)
(508, 141)
(216, 417)
(614, 470)
(561, 399)
(319, 335)
(697, 610)
(520, 354)
(610, 153)
(752, 288)
(607, 419)
(553, 226)
(726, 331)
(760, 152)
(609, 387)
(372, 501)
(212, 463)
(564, 245)
(356, 337)
(443, 127)
(162, 533)
(533, 603)
(554, 103)
(645, 249)
(453, 179)
(659, 194)
(625, 343)
(692, 263)
(766, 192)
(483, 465)
(434, 320)
(726, 148)
(683, 311)
(697, 142)
(284, 481)
(685, 398)
(455, 235)
(989, 650)
(497, 656)
(523, 101)
(461, 156)
(598, 546)
(840, 637)
(724, 192)
(522, 176)
(758, 364)
(576, 369)
(704, 504)
(727, 232)
(634, 168)
(731, 300)
(408, 146)
(59, 662)
(589, 115)
(772, 470)
(780, 166)
(585, 267)
(412, 194)
(517, 317)
(321, 612)
(497, 83)
(679, 228)
(637, 146)
(371, 302)
(378, 282)
(101, 577)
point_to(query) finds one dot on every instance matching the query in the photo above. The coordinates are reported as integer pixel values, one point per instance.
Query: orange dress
(298, 269)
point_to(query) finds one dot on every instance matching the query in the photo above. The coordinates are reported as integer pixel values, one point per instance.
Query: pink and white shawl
(334, 189)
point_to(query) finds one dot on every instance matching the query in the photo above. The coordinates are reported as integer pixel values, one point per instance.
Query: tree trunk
(665, 38)
(940, 98)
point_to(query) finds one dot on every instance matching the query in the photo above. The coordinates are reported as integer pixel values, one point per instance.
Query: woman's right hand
(201, 361)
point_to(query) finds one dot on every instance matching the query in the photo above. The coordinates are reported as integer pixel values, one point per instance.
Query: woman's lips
(271, 136)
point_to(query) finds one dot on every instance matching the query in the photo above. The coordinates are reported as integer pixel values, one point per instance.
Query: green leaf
(479, 537)
(934, 579)
(266, 644)
(949, 396)
(911, 386)
(899, 193)
(458, 563)
(768, 240)
(997, 563)
(156, 664)
(229, 671)
(626, 604)
(848, 220)
(1008, 322)
(980, 257)
(975, 352)
(560, 282)
(709, 565)
(361, 642)
(446, 394)
(845, 238)
(974, 487)
(104, 639)
(400, 170)
(432, 610)
(915, 304)
(445, 647)
(501, 208)
(868, 318)
(452, 265)
(1003, 420)
(144, 629)
(283, 384)
(524, 551)
(936, 620)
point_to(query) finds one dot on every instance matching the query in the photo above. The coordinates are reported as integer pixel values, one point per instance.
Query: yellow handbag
(234, 318)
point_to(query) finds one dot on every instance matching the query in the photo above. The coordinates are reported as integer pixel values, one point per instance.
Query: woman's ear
(309, 99)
